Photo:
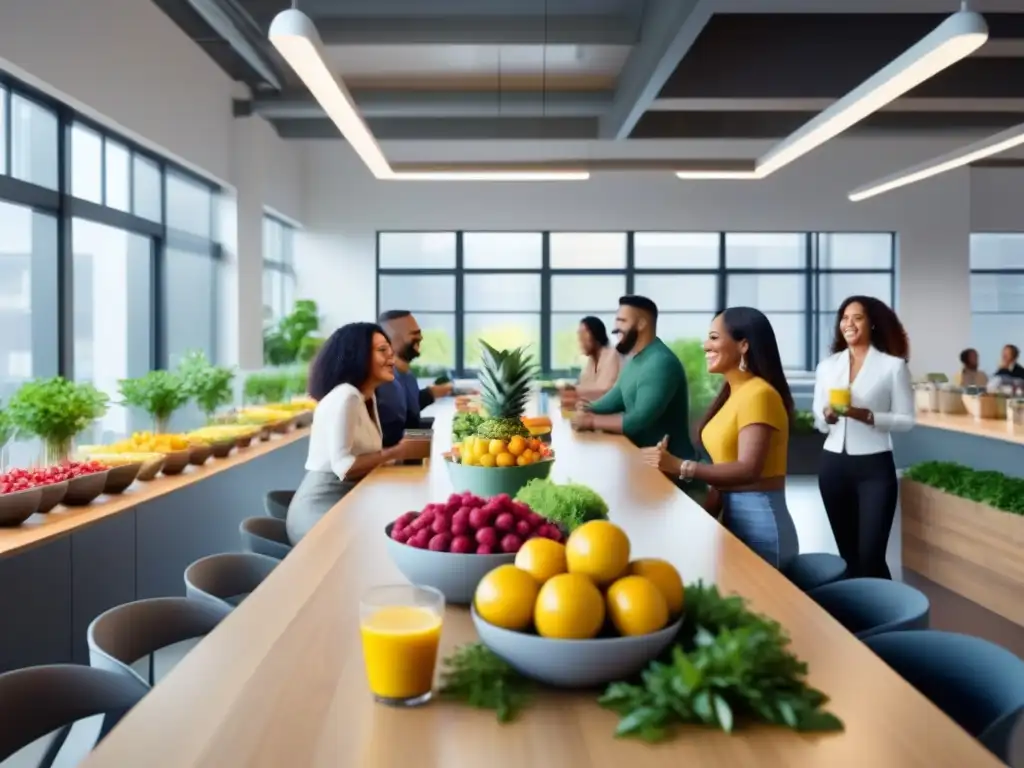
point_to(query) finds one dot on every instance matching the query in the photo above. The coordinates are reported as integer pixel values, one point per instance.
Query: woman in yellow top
(746, 434)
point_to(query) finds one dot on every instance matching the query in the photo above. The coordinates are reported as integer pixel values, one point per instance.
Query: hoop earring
(743, 363)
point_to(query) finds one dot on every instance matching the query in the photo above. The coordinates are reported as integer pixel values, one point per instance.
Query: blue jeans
(761, 520)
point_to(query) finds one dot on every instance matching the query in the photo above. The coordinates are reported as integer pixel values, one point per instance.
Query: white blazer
(342, 429)
(882, 386)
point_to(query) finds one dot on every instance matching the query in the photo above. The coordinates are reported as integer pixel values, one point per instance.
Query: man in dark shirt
(1009, 367)
(399, 402)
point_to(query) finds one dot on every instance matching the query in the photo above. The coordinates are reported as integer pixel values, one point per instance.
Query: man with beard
(399, 402)
(650, 400)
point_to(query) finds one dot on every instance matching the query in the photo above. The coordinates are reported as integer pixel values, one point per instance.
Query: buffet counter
(982, 444)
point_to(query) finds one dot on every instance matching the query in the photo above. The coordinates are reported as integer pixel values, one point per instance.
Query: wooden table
(281, 681)
(997, 429)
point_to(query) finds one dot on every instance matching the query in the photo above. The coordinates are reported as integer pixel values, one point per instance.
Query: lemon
(505, 597)
(479, 448)
(541, 558)
(569, 607)
(598, 549)
(665, 577)
(522, 461)
(636, 606)
(516, 445)
(470, 460)
(487, 460)
(528, 455)
(497, 446)
(505, 459)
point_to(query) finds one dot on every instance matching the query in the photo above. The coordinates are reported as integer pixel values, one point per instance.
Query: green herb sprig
(158, 393)
(55, 409)
(474, 675)
(209, 385)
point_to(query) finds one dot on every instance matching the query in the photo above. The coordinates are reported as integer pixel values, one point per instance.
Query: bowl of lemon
(490, 467)
(176, 450)
(582, 614)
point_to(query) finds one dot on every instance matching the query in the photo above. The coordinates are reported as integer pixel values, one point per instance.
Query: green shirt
(652, 396)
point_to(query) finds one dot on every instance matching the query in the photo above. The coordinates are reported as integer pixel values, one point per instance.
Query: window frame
(996, 271)
(283, 266)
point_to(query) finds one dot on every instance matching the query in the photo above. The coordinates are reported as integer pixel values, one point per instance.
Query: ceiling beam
(669, 28)
(230, 20)
(449, 129)
(478, 30)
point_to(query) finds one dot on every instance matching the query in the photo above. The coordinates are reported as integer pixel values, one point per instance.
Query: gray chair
(815, 569)
(226, 579)
(37, 701)
(121, 636)
(276, 503)
(869, 607)
(265, 536)
(977, 683)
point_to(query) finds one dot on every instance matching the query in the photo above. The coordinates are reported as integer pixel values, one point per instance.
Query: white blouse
(342, 429)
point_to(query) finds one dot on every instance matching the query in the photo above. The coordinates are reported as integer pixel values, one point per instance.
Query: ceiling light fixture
(295, 37)
(993, 145)
(722, 174)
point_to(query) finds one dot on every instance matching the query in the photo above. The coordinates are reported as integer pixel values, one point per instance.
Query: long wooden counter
(62, 520)
(281, 681)
(996, 429)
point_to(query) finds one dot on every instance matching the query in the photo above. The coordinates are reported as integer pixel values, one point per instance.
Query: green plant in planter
(985, 487)
(292, 335)
(266, 387)
(297, 382)
(55, 410)
(158, 393)
(803, 423)
(703, 385)
(207, 384)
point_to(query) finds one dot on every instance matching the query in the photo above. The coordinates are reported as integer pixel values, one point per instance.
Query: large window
(278, 268)
(997, 295)
(516, 288)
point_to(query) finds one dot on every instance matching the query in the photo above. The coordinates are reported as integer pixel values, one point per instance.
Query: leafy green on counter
(474, 675)
(569, 504)
(992, 488)
(55, 409)
(158, 393)
(464, 425)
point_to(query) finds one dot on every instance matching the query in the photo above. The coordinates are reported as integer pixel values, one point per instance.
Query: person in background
(857, 476)
(400, 401)
(1009, 367)
(650, 400)
(969, 375)
(746, 434)
(601, 370)
(345, 441)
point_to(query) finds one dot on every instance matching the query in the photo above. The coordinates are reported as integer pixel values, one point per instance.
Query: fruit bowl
(18, 506)
(150, 467)
(176, 461)
(492, 481)
(244, 441)
(84, 489)
(53, 494)
(199, 453)
(575, 663)
(221, 448)
(303, 418)
(119, 478)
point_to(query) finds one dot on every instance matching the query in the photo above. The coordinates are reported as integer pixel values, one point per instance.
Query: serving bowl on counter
(120, 477)
(84, 489)
(52, 495)
(18, 506)
(176, 461)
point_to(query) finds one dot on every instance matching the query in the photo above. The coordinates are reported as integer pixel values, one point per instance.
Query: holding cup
(839, 400)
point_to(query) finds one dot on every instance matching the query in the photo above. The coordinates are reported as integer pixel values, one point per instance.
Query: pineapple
(505, 378)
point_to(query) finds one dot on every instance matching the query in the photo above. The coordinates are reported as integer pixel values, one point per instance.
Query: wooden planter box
(804, 453)
(970, 548)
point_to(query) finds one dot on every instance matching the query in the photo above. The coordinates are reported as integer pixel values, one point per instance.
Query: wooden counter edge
(993, 429)
(61, 521)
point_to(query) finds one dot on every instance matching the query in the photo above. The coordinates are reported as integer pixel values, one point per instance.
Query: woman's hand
(713, 502)
(659, 457)
(863, 415)
(831, 417)
(582, 420)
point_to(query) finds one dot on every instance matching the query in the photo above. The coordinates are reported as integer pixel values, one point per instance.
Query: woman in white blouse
(345, 441)
(857, 476)
(601, 370)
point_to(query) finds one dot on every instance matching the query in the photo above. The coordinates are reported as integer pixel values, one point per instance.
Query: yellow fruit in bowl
(480, 448)
(665, 577)
(569, 607)
(505, 459)
(522, 461)
(636, 606)
(487, 460)
(517, 445)
(470, 460)
(505, 597)
(541, 558)
(528, 455)
(496, 446)
(598, 549)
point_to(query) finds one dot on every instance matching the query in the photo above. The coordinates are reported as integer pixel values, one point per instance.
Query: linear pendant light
(993, 145)
(296, 38)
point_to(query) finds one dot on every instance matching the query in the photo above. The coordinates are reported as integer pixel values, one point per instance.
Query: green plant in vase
(158, 393)
(55, 410)
(207, 384)
(7, 432)
(266, 387)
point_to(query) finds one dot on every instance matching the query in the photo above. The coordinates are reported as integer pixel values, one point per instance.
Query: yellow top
(755, 401)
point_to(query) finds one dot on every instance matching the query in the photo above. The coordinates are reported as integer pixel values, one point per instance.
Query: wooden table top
(62, 520)
(281, 680)
(996, 429)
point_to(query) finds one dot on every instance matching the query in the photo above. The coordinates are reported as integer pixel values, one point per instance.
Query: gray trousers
(317, 494)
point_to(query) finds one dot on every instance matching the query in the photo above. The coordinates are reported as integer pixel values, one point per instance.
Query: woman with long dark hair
(601, 370)
(345, 441)
(862, 392)
(746, 434)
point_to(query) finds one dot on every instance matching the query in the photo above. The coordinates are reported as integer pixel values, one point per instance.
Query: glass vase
(56, 451)
(160, 424)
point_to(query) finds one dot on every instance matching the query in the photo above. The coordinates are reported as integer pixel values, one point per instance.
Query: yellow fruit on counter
(470, 460)
(665, 577)
(528, 455)
(505, 459)
(569, 607)
(542, 558)
(505, 597)
(636, 606)
(487, 460)
(147, 442)
(517, 445)
(497, 446)
(522, 461)
(598, 549)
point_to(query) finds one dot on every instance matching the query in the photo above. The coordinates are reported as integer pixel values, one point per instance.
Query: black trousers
(860, 494)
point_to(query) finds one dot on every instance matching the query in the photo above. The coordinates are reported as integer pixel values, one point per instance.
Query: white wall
(345, 207)
(997, 200)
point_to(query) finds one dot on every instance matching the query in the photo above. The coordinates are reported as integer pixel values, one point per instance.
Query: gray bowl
(19, 506)
(575, 663)
(119, 478)
(83, 490)
(53, 494)
(452, 574)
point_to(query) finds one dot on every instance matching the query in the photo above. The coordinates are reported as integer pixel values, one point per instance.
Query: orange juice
(400, 650)
(839, 397)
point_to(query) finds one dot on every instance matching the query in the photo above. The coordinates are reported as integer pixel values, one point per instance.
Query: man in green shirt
(651, 399)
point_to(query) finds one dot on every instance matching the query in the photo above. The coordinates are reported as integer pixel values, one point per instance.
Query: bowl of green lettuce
(569, 505)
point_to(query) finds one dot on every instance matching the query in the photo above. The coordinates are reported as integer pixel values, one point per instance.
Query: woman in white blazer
(857, 475)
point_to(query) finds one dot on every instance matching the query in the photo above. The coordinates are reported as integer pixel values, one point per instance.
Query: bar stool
(276, 503)
(815, 569)
(979, 684)
(37, 701)
(869, 607)
(226, 579)
(121, 636)
(265, 536)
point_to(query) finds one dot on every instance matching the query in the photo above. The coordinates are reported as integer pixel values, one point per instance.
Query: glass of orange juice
(401, 629)
(839, 399)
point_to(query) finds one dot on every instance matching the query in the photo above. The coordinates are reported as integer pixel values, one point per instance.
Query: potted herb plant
(6, 435)
(266, 387)
(207, 384)
(55, 410)
(158, 393)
